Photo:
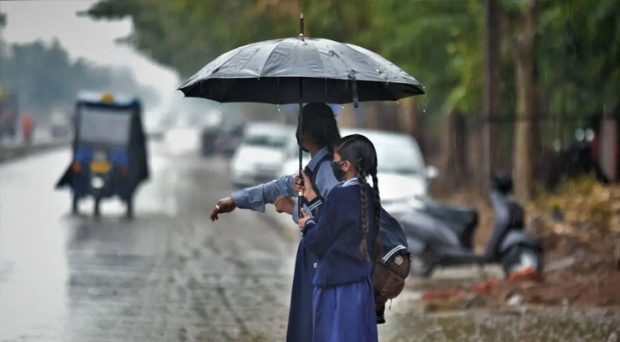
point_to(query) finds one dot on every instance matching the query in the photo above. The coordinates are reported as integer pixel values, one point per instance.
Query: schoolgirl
(344, 238)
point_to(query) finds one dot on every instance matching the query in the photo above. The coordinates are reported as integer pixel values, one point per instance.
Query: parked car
(261, 153)
(222, 139)
(291, 158)
(402, 175)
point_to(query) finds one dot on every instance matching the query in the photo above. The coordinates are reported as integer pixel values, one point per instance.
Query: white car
(403, 175)
(261, 154)
(291, 162)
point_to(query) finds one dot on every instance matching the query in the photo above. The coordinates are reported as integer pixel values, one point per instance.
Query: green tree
(578, 56)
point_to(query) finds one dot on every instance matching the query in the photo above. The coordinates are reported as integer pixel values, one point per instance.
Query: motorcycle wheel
(521, 257)
(421, 267)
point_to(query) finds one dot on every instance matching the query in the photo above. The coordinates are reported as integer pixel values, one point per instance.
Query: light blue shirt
(258, 196)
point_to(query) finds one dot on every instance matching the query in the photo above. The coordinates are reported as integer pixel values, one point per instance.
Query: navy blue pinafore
(300, 312)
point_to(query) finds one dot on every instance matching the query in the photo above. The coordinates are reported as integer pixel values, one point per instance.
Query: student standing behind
(344, 238)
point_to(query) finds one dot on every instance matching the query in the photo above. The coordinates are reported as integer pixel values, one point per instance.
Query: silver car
(261, 153)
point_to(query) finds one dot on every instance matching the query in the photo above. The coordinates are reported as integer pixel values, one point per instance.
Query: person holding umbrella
(320, 136)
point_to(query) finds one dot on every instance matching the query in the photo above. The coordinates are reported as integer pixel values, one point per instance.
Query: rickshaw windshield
(107, 126)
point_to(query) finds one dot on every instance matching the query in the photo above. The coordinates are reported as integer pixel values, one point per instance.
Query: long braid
(361, 177)
(375, 185)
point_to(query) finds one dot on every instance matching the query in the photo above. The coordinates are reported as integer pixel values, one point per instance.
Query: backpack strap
(313, 174)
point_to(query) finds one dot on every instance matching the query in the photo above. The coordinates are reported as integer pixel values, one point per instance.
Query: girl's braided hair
(359, 151)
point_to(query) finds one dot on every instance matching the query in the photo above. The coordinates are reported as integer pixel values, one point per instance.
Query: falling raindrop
(278, 107)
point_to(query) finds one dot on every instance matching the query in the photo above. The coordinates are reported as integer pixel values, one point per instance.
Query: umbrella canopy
(296, 70)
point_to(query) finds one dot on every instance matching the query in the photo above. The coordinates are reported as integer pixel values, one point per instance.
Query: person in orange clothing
(27, 128)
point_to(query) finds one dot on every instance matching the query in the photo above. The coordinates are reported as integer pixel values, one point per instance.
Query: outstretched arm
(255, 197)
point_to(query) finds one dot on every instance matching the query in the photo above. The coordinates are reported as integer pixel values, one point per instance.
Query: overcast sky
(83, 37)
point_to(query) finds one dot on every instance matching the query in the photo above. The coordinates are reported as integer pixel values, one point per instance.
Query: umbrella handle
(300, 204)
(354, 88)
(300, 197)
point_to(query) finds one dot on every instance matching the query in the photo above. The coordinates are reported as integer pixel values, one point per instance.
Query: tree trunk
(453, 155)
(373, 117)
(409, 119)
(347, 117)
(525, 59)
(491, 91)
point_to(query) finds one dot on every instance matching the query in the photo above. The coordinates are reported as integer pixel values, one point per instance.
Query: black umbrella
(274, 71)
(301, 70)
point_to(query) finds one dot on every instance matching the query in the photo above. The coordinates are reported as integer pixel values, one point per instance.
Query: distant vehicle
(182, 140)
(576, 160)
(291, 158)
(109, 151)
(207, 140)
(60, 125)
(8, 114)
(442, 235)
(228, 139)
(402, 173)
(261, 153)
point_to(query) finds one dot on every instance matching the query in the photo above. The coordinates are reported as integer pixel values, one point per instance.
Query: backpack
(388, 280)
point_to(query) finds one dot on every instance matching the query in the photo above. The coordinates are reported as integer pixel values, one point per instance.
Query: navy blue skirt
(300, 313)
(345, 313)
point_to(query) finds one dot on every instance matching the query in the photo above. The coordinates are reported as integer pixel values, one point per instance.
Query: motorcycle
(442, 235)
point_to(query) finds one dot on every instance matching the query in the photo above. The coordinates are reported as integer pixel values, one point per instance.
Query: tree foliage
(436, 41)
(578, 56)
(439, 42)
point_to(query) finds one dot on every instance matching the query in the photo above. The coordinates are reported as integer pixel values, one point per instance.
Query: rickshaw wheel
(74, 204)
(97, 212)
(129, 213)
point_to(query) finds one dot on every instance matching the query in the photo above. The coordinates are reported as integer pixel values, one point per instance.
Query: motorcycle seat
(461, 219)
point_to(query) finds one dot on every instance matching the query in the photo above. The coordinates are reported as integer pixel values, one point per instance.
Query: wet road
(168, 275)
(172, 275)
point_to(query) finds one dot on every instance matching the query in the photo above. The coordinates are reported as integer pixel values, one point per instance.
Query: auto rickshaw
(109, 151)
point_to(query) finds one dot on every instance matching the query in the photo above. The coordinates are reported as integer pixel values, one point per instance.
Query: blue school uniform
(255, 198)
(343, 296)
